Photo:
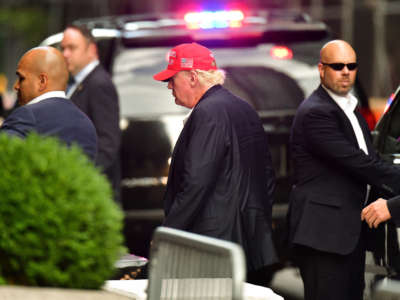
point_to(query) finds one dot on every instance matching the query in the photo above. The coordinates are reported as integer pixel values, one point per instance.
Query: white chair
(387, 289)
(188, 266)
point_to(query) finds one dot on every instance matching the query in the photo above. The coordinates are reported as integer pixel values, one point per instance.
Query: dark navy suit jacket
(57, 117)
(97, 97)
(221, 179)
(331, 175)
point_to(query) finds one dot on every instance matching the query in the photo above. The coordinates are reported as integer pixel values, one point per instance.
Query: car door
(386, 140)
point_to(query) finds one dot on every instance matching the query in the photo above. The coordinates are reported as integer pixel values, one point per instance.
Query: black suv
(270, 59)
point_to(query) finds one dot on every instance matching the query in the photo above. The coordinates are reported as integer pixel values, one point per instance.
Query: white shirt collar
(85, 71)
(53, 94)
(187, 116)
(346, 103)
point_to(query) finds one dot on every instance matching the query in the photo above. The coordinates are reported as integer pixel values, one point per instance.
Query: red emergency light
(281, 52)
(214, 19)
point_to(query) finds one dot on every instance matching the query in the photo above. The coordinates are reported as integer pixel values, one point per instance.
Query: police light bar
(214, 19)
(389, 102)
(281, 52)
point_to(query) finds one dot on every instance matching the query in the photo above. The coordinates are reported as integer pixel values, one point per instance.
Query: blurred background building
(371, 26)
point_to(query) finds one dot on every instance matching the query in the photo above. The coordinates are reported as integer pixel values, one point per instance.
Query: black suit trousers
(331, 276)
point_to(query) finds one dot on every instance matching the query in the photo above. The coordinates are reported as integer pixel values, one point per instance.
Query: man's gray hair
(211, 77)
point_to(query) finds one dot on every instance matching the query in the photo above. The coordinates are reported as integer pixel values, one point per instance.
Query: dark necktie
(71, 82)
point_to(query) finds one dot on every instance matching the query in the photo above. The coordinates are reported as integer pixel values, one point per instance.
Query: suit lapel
(84, 81)
(348, 128)
(366, 132)
(78, 89)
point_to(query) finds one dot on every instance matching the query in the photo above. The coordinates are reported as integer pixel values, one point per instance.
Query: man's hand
(376, 213)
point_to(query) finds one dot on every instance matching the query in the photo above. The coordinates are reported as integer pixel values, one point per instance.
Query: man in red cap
(221, 179)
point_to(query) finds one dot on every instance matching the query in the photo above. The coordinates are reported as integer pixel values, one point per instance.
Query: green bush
(58, 224)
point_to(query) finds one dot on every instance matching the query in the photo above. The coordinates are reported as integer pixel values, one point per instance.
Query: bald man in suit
(42, 78)
(335, 164)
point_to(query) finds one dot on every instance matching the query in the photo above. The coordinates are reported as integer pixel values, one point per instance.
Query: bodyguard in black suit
(221, 179)
(44, 109)
(334, 165)
(94, 93)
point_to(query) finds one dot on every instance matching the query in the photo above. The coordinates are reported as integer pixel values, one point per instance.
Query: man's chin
(345, 91)
(342, 90)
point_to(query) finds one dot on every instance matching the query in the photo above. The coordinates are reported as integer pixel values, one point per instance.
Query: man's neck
(198, 94)
(86, 69)
(47, 95)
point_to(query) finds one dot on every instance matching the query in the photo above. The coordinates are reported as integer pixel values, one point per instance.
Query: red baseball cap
(187, 57)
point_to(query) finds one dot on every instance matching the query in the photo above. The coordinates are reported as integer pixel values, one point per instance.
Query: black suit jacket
(97, 97)
(54, 117)
(331, 174)
(221, 179)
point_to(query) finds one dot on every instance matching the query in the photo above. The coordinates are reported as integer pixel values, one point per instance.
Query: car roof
(170, 29)
(246, 46)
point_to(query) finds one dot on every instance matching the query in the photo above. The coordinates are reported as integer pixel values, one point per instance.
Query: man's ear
(43, 81)
(194, 77)
(321, 69)
(92, 49)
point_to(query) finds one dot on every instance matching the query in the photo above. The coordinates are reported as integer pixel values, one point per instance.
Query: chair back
(188, 266)
(387, 289)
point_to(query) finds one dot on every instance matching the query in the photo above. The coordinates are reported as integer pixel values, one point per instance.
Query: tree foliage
(29, 23)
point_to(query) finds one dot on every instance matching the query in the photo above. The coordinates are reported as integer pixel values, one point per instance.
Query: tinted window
(264, 88)
(267, 83)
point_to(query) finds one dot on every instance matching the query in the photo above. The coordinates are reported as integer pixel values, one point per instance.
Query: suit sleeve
(394, 209)
(202, 159)
(327, 140)
(104, 110)
(19, 123)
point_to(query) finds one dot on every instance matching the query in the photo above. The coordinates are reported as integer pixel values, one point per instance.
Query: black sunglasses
(340, 66)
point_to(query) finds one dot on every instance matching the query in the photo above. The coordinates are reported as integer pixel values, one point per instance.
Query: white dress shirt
(81, 76)
(348, 104)
(53, 94)
(187, 116)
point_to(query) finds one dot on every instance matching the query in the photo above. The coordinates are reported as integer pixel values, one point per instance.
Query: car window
(140, 95)
(264, 88)
(251, 73)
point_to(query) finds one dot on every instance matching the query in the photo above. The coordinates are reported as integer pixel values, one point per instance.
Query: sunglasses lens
(352, 66)
(337, 67)
(340, 66)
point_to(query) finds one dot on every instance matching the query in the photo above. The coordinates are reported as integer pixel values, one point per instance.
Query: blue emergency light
(214, 19)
